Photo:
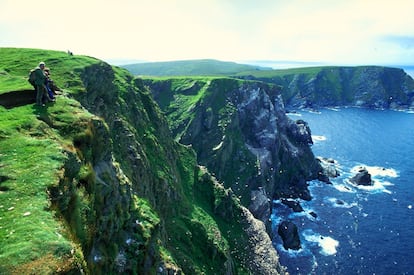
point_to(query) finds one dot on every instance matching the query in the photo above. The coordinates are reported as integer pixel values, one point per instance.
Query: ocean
(358, 229)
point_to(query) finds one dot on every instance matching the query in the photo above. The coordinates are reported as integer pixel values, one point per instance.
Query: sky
(339, 32)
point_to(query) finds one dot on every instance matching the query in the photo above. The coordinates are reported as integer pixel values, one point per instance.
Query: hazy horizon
(343, 32)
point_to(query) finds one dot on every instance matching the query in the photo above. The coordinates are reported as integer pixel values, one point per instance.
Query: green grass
(14, 73)
(33, 238)
(30, 162)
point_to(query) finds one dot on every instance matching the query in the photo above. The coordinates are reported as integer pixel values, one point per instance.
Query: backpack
(32, 77)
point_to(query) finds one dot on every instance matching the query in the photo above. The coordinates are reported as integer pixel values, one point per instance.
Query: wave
(327, 244)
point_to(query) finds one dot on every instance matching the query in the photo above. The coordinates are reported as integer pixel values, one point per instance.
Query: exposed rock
(313, 214)
(241, 133)
(339, 202)
(364, 86)
(264, 258)
(329, 169)
(301, 133)
(288, 231)
(260, 205)
(363, 177)
(295, 205)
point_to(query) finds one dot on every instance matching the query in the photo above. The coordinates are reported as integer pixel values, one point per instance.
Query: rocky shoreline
(288, 230)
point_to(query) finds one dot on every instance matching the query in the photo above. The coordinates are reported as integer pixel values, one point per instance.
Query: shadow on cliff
(17, 98)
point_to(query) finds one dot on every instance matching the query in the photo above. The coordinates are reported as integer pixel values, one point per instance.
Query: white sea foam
(377, 171)
(327, 244)
(316, 138)
(314, 112)
(340, 203)
(376, 187)
(343, 188)
(377, 175)
(294, 253)
(294, 114)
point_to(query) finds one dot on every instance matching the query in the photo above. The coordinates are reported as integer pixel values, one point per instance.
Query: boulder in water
(293, 204)
(362, 177)
(313, 214)
(288, 231)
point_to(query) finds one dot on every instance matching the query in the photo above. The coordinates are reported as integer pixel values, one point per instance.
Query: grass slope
(33, 239)
(190, 68)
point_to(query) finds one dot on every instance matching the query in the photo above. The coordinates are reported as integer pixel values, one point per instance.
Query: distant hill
(191, 68)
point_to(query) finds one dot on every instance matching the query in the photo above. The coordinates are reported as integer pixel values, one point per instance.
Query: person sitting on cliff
(50, 87)
(40, 83)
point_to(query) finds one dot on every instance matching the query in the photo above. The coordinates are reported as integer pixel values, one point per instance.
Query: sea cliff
(362, 86)
(95, 182)
(241, 133)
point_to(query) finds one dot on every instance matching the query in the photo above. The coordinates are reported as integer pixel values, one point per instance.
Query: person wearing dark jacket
(40, 80)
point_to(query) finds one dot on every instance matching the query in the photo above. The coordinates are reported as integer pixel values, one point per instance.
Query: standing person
(40, 80)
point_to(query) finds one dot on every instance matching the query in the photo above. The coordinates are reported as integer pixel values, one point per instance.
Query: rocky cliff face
(162, 172)
(241, 133)
(365, 86)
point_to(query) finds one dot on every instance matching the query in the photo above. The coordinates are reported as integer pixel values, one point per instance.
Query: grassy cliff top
(309, 71)
(32, 155)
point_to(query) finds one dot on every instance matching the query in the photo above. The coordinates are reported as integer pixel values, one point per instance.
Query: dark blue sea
(358, 230)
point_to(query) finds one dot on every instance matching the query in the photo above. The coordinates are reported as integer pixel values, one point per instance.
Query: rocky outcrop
(330, 169)
(293, 204)
(240, 131)
(288, 231)
(363, 86)
(363, 177)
